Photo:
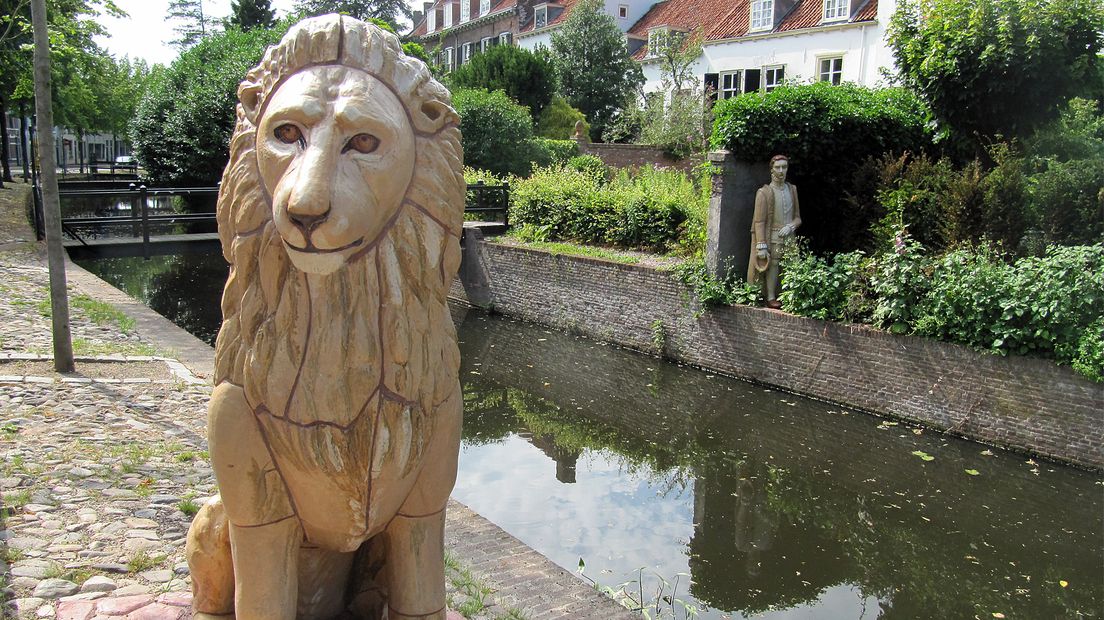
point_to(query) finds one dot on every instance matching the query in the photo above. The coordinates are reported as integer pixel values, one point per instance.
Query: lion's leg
(415, 567)
(210, 562)
(265, 533)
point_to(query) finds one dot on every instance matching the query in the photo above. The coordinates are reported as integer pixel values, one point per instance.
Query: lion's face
(336, 153)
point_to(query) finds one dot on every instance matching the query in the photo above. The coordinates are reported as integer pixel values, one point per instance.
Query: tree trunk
(23, 141)
(4, 141)
(59, 301)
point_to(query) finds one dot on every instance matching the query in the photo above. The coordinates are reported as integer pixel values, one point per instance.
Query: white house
(756, 44)
(538, 19)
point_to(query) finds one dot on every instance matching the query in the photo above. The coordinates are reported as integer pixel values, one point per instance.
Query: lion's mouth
(312, 249)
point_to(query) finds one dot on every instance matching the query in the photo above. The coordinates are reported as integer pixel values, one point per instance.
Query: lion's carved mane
(379, 328)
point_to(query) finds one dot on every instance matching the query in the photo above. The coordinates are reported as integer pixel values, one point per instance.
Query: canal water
(124, 206)
(678, 485)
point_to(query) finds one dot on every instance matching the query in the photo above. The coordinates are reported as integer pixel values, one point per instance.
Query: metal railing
(489, 199)
(140, 219)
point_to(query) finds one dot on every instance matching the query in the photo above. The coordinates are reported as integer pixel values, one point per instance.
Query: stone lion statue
(334, 424)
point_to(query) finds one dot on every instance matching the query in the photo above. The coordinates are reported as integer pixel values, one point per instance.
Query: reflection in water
(124, 206)
(779, 507)
(776, 505)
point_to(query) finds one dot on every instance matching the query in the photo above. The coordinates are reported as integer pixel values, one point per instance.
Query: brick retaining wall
(636, 155)
(1022, 403)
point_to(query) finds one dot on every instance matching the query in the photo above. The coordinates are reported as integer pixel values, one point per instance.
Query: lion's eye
(288, 134)
(362, 143)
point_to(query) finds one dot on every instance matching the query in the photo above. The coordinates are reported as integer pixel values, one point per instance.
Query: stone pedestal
(728, 227)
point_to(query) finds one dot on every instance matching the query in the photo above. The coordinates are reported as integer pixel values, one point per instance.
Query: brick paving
(99, 469)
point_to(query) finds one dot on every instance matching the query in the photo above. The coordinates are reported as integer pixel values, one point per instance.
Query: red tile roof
(497, 7)
(722, 19)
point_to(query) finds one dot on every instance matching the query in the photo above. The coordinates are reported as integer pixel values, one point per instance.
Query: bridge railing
(140, 218)
(488, 199)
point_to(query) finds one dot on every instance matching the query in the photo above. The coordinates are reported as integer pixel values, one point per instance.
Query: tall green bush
(645, 209)
(496, 132)
(558, 120)
(182, 126)
(828, 132)
(526, 77)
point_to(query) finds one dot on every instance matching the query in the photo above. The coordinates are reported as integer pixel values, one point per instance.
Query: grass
(99, 312)
(142, 561)
(17, 500)
(9, 431)
(188, 506)
(84, 347)
(574, 249)
(475, 593)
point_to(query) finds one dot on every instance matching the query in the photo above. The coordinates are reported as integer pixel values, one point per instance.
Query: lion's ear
(249, 93)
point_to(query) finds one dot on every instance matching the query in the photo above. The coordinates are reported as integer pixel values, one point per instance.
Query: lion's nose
(306, 221)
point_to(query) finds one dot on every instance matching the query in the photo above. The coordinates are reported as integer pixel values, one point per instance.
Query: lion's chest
(347, 481)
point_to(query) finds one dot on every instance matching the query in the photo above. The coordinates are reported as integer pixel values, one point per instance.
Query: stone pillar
(473, 273)
(728, 226)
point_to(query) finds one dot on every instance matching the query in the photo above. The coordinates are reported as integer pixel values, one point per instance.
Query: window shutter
(751, 80)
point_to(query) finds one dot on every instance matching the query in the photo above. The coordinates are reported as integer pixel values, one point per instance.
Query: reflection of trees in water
(186, 289)
(791, 500)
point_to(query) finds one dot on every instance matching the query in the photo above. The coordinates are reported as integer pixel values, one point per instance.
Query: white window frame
(735, 84)
(538, 11)
(772, 72)
(836, 10)
(447, 20)
(466, 53)
(654, 34)
(762, 15)
(834, 73)
(504, 38)
(484, 7)
(431, 20)
(623, 11)
(465, 10)
(485, 44)
(449, 57)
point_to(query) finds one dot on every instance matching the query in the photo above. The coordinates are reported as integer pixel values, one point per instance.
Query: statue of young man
(777, 216)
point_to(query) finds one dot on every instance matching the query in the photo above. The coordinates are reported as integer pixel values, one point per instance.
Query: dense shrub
(181, 130)
(823, 288)
(647, 209)
(1068, 198)
(590, 165)
(496, 132)
(828, 132)
(526, 77)
(558, 120)
(1050, 306)
(548, 152)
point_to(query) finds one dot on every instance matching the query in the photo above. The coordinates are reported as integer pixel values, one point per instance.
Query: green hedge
(828, 132)
(1049, 306)
(548, 152)
(495, 131)
(650, 209)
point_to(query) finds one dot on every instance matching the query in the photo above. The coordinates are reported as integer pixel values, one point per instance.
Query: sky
(147, 30)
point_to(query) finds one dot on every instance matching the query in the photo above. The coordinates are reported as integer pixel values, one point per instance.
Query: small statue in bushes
(777, 216)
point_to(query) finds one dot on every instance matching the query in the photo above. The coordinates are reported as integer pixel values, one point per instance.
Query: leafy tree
(250, 14)
(593, 65)
(194, 23)
(527, 77)
(76, 67)
(181, 130)
(675, 120)
(387, 10)
(998, 67)
(496, 132)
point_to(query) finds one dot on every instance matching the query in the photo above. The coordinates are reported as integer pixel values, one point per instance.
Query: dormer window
(762, 14)
(540, 16)
(484, 7)
(431, 20)
(465, 10)
(448, 15)
(656, 38)
(835, 10)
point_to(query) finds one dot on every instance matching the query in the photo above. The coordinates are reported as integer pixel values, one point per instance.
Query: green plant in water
(633, 595)
(659, 336)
